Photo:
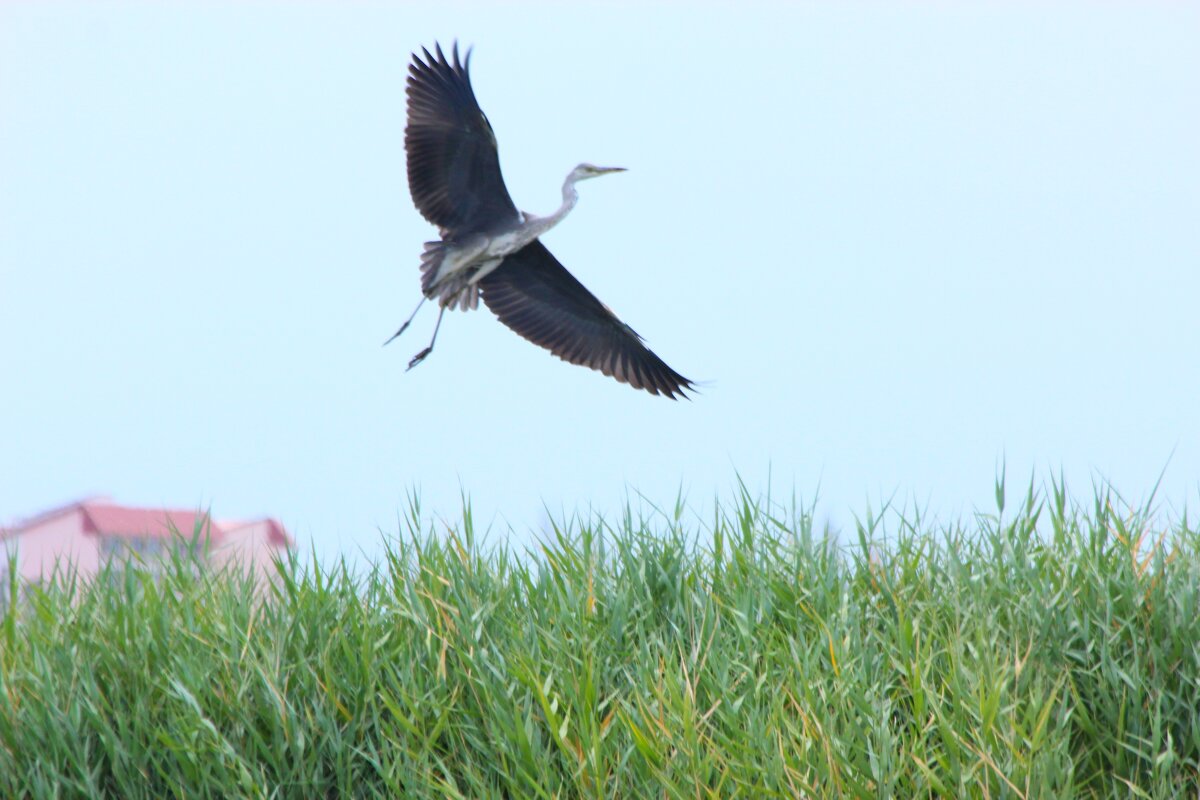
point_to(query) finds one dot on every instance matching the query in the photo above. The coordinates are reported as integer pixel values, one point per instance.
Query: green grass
(1047, 651)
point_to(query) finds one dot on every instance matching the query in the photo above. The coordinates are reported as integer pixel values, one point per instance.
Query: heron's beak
(605, 170)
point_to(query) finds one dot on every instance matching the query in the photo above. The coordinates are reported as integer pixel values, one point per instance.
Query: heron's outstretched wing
(535, 296)
(453, 166)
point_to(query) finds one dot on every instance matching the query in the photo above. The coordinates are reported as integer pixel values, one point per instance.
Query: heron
(490, 249)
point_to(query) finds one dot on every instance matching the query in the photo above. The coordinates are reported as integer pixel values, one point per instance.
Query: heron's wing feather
(453, 167)
(532, 293)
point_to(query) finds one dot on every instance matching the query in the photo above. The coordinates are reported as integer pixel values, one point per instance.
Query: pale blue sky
(900, 243)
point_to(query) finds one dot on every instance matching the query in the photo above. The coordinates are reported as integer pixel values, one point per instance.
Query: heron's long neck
(542, 224)
(570, 198)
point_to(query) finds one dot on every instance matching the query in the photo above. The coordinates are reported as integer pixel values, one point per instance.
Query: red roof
(276, 533)
(103, 517)
(111, 520)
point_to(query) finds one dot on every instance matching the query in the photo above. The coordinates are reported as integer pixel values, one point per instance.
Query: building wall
(251, 547)
(58, 542)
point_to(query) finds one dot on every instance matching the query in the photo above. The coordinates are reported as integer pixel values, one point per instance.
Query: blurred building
(85, 536)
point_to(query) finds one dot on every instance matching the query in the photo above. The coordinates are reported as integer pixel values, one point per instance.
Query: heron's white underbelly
(507, 243)
(480, 255)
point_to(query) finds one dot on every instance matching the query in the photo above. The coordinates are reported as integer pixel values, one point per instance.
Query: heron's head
(585, 171)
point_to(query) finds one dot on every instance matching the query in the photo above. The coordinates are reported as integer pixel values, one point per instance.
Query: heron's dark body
(489, 249)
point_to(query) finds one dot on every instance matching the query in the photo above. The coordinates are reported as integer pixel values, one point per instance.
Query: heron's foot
(403, 328)
(419, 357)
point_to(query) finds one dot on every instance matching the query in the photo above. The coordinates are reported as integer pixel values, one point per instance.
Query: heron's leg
(419, 357)
(404, 327)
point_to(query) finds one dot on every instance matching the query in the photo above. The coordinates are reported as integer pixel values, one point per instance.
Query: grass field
(1048, 649)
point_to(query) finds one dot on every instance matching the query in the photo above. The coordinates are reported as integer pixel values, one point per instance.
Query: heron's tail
(431, 261)
(454, 291)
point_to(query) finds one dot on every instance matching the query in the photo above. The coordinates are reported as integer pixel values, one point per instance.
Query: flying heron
(488, 248)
